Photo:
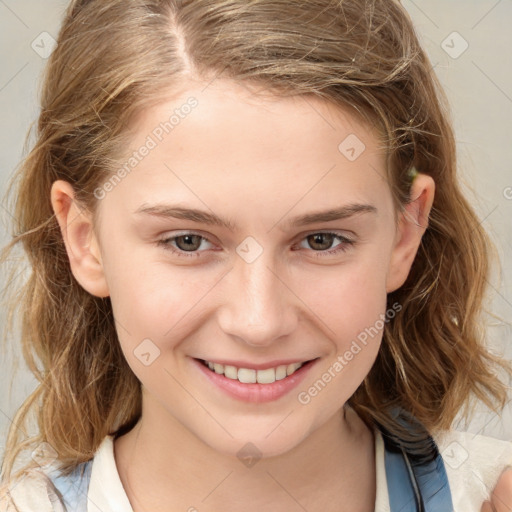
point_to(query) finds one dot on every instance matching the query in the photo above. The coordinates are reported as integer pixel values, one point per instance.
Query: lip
(255, 393)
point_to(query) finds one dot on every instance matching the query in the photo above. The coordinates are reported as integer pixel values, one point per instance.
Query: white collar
(106, 492)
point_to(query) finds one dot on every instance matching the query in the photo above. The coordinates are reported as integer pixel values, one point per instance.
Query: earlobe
(80, 240)
(413, 221)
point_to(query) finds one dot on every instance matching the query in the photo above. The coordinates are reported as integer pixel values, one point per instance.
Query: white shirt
(473, 464)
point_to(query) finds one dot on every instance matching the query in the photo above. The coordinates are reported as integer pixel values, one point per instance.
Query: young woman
(256, 283)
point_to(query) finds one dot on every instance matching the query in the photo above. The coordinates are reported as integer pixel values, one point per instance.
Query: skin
(258, 162)
(501, 498)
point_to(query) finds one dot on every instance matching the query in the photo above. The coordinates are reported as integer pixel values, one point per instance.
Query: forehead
(221, 139)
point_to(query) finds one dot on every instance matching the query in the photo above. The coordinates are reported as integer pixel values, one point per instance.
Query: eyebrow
(204, 217)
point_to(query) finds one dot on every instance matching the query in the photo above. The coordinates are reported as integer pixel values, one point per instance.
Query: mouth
(267, 383)
(252, 375)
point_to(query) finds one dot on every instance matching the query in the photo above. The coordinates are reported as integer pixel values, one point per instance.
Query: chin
(256, 444)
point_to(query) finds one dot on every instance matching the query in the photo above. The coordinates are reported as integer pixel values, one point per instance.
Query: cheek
(154, 309)
(152, 300)
(347, 299)
(352, 310)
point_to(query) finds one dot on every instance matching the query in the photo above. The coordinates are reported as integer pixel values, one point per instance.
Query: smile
(251, 384)
(251, 376)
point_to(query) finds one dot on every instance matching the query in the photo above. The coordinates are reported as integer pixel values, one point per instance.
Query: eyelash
(345, 244)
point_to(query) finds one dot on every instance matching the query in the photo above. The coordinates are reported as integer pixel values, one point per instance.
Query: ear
(79, 238)
(412, 223)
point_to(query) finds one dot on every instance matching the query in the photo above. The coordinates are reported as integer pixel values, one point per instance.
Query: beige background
(478, 82)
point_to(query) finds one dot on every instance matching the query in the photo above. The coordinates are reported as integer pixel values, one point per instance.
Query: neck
(162, 464)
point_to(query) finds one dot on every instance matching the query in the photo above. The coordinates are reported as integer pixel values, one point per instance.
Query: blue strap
(74, 487)
(416, 475)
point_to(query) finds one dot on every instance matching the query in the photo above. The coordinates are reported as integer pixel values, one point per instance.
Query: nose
(259, 307)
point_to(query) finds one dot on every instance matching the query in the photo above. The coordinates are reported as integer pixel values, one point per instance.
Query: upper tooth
(292, 367)
(250, 376)
(281, 372)
(247, 376)
(266, 376)
(231, 372)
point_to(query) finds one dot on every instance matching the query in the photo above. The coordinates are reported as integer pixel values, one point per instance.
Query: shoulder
(467, 450)
(473, 465)
(47, 489)
(31, 492)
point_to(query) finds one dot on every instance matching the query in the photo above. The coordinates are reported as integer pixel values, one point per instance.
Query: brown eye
(321, 241)
(188, 242)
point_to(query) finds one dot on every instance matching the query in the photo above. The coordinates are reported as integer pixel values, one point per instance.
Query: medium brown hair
(116, 57)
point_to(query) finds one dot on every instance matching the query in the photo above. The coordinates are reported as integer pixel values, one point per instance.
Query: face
(217, 246)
